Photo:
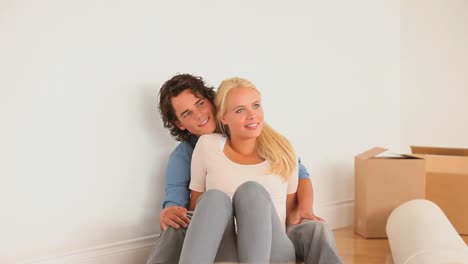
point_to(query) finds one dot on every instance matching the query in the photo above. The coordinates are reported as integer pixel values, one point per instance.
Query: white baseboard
(338, 214)
(134, 251)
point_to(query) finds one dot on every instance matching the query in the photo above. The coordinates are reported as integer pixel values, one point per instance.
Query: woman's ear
(223, 121)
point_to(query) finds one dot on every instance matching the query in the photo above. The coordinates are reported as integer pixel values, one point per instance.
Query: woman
(255, 167)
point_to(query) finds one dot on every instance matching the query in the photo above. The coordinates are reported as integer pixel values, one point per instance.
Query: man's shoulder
(184, 148)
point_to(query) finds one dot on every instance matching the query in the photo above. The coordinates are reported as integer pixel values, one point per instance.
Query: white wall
(434, 73)
(82, 149)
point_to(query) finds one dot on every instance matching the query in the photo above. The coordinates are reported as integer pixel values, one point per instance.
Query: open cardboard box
(447, 182)
(383, 181)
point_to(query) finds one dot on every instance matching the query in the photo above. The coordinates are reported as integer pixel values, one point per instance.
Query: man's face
(195, 114)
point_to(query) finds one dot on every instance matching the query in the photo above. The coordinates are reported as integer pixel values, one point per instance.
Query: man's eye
(186, 114)
(201, 103)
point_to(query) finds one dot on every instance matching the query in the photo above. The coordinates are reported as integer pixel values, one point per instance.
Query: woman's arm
(193, 199)
(198, 173)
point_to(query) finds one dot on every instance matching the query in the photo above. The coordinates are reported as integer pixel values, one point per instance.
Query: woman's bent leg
(260, 235)
(212, 216)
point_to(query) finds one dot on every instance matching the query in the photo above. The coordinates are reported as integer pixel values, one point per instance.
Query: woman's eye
(239, 110)
(256, 106)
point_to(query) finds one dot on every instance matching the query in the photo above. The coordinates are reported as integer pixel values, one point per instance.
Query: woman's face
(244, 113)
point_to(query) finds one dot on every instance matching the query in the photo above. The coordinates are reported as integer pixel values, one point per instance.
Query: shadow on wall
(163, 144)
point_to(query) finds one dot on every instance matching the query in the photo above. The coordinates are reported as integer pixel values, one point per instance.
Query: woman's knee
(250, 192)
(249, 188)
(215, 197)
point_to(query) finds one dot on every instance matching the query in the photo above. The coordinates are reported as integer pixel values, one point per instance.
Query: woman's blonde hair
(271, 145)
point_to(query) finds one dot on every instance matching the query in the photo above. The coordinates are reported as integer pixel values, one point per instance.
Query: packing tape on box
(419, 233)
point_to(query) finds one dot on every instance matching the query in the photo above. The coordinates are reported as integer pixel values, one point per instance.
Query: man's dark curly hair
(172, 88)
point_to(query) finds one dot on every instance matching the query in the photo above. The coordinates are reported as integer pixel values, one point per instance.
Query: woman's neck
(244, 147)
(242, 151)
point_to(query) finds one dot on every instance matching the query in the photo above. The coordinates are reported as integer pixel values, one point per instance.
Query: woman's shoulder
(210, 140)
(211, 137)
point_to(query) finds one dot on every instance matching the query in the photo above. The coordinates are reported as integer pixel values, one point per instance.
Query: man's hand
(175, 216)
(298, 214)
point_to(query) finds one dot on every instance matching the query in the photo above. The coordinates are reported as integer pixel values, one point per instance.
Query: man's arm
(177, 193)
(305, 198)
(290, 205)
(175, 216)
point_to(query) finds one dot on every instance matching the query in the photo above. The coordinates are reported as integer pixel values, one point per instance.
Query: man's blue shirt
(178, 174)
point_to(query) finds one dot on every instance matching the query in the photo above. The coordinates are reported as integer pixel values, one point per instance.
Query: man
(186, 107)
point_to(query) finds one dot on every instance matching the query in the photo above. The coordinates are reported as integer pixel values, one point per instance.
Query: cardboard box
(447, 182)
(382, 183)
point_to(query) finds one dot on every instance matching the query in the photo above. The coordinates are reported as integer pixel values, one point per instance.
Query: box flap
(371, 153)
(439, 151)
(413, 156)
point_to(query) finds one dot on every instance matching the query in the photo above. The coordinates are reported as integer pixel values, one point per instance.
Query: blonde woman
(254, 167)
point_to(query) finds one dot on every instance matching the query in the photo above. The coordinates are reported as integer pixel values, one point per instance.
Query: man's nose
(198, 114)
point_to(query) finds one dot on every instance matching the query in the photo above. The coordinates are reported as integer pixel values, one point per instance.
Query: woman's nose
(251, 115)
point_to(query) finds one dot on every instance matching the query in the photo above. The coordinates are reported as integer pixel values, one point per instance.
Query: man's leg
(314, 242)
(261, 238)
(168, 247)
(210, 228)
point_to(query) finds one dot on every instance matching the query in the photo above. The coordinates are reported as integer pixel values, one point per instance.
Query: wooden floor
(354, 249)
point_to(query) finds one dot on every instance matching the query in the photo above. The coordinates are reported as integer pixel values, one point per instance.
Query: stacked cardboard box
(447, 182)
(383, 182)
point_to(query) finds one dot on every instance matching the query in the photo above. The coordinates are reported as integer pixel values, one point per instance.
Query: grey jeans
(313, 240)
(260, 236)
